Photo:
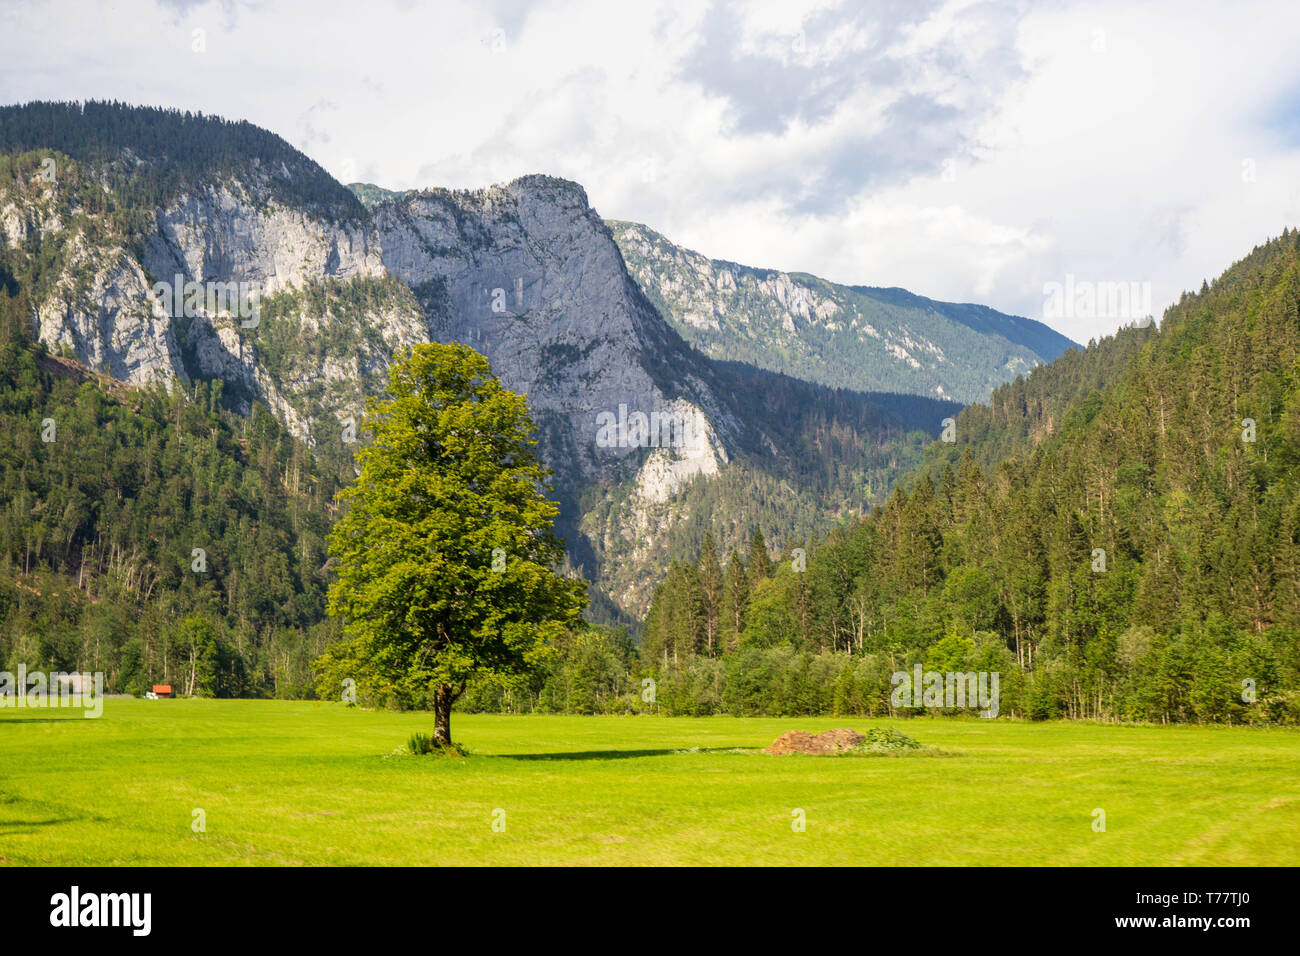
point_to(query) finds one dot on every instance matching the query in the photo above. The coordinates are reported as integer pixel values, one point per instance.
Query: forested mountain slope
(1032, 409)
(1135, 554)
(157, 538)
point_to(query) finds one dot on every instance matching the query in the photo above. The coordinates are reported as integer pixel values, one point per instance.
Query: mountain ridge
(860, 337)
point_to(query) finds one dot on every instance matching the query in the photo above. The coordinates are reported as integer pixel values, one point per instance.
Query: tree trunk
(442, 701)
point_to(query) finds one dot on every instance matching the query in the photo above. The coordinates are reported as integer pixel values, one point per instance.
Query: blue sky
(966, 151)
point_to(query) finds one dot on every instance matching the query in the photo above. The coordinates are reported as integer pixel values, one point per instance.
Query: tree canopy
(447, 561)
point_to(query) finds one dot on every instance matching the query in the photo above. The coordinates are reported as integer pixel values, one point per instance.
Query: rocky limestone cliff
(527, 274)
(104, 308)
(93, 300)
(230, 232)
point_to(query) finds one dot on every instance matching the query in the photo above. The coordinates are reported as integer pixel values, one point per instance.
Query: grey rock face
(98, 307)
(528, 275)
(226, 234)
(106, 311)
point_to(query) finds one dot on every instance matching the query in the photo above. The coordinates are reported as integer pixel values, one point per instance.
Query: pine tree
(735, 599)
(686, 614)
(760, 562)
(655, 646)
(711, 589)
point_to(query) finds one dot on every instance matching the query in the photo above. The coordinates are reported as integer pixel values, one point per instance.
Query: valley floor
(283, 783)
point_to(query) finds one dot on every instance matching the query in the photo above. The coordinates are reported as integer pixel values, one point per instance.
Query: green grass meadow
(290, 783)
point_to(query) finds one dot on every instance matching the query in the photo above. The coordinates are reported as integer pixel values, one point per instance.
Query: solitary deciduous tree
(447, 561)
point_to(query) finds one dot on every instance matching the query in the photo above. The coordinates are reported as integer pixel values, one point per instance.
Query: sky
(1020, 155)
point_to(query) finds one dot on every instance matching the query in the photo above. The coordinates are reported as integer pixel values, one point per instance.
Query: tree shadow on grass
(615, 754)
(12, 826)
(18, 827)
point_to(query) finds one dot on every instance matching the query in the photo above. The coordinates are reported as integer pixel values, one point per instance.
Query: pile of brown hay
(830, 742)
(878, 741)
